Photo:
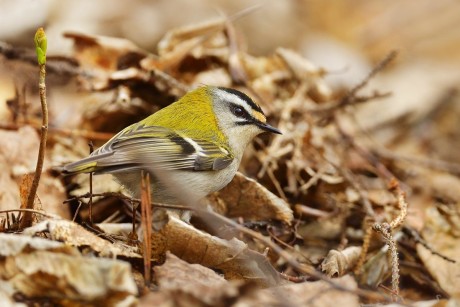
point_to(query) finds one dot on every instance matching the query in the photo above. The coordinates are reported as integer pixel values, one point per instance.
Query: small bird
(198, 142)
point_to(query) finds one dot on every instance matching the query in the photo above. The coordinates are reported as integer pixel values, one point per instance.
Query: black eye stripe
(239, 111)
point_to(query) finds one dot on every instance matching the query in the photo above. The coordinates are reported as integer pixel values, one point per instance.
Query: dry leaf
(317, 293)
(177, 276)
(338, 263)
(75, 235)
(232, 257)
(438, 235)
(244, 197)
(42, 268)
(12, 245)
(103, 52)
(95, 280)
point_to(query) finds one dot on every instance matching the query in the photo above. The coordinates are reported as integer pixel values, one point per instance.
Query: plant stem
(27, 219)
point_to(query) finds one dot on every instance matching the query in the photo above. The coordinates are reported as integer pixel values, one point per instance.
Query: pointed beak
(268, 128)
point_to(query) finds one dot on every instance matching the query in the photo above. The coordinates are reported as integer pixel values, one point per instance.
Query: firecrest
(198, 142)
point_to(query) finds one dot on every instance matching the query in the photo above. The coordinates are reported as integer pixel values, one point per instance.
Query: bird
(196, 142)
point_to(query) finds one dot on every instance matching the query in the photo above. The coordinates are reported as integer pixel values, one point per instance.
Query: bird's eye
(238, 111)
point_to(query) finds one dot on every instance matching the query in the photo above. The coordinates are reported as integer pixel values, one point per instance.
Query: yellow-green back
(192, 114)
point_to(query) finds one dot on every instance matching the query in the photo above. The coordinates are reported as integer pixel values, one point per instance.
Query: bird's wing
(140, 147)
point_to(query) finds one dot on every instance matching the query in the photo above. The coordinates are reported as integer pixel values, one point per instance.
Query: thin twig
(146, 218)
(40, 42)
(90, 203)
(413, 233)
(98, 136)
(125, 197)
(32, 211)
(378, 68)
(450, 167)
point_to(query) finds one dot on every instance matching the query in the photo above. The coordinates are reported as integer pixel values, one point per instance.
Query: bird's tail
(87, 165)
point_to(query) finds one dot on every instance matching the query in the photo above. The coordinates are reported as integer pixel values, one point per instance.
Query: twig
(378, 68)
(450, 167)
(421, 241)
(98, 136)
(60, 65)
(125, 197)
(146, 218)
(32, 211)
(295, 279)
(40, 45)
(90, 203)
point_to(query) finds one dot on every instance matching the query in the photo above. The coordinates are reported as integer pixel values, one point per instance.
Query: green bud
(40, 46)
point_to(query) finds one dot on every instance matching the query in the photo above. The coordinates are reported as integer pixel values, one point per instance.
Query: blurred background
(337, 35)
(344, 37)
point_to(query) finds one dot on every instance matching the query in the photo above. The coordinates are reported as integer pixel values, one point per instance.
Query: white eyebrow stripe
(236, 100)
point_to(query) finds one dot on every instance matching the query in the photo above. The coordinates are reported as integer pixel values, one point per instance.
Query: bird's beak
(267, 127)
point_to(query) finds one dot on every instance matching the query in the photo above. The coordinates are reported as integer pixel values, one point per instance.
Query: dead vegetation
(347, 205)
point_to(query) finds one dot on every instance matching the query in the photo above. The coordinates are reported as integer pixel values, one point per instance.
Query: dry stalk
(90, 203)
(385, 230)
(402, 204)
(146, 221)
(40, 43)
(365, 247)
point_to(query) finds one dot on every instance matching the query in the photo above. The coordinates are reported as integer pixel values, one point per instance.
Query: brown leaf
(317, 293)
(75, 235)
(338, 263)
(233, 257)
(246, 198)
(438, 235)
(41, 268)
(103, 52)
(13, 245)
(203, 284)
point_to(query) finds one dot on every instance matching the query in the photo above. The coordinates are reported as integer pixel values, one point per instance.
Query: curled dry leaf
(177, 276)
(232, 257)
(246, 198)
(41, 268)
(338, 263)
(75, 235)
